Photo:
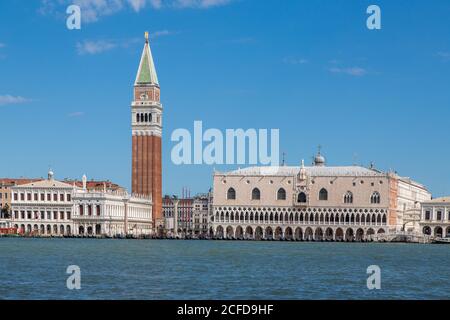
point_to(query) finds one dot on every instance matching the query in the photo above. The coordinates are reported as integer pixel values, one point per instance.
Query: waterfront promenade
(399, 237)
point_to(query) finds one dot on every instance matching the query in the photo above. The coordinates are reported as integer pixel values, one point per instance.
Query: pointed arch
(256, 194)
(375, 198)
(301, 198)
(323, 194)
(231, 194)
(348, 197)
(281, 194)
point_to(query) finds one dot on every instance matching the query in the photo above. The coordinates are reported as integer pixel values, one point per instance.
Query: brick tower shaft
(146, 112)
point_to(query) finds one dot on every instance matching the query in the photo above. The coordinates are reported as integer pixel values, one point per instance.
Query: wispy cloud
(295, 61)
(2, 56)
(353, 71)
(93, 10)
(445, 56)
(92, 47)
(198, 3)
(161, 33)
(9, 99)
(76, 114)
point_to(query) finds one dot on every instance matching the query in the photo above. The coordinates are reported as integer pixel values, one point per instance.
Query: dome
(50, 174)
(319, 160)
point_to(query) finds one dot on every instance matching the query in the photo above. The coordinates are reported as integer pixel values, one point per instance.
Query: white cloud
(137, 5)
(199, 3)
(93, 10)
(160, 33)
(91, 47)
(9, 99)
(94, 47)
(157, 4)
(2, 56)
(445, 56)
(353, 71)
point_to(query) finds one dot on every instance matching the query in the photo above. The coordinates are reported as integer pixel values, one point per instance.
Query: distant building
(201, 214)
(313, 203)
(111, 213)
(5, 193)
(435, 217)
(178, 214)
(43, 207)
(93, 185)
(7, 183)
(54, 208)
(192, 216)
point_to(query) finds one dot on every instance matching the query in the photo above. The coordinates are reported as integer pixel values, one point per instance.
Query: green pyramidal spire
(147, 72)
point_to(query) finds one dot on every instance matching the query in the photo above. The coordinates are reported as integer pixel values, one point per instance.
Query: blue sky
(310, 68)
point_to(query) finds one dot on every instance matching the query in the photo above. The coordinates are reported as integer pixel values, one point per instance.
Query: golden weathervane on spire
(146, 36)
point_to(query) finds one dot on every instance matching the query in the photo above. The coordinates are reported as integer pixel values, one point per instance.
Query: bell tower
(146, 123)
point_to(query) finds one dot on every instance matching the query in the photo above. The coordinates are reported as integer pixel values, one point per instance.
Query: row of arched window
(302, 198)
(311, 218)
(256, 194)
(143, 117)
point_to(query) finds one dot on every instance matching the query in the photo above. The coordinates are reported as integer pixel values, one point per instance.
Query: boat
(441, 241)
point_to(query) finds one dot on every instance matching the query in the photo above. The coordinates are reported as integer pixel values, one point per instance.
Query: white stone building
(111, 213)
(43, 207)
(313, 203)
(435, 217)
(54, 208)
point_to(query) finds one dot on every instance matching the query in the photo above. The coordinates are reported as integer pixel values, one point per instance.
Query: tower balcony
(146, 104)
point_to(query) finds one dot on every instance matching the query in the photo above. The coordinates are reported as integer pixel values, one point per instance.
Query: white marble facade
(112, 213)
(53, 208)
(435, 217)
(43, 207)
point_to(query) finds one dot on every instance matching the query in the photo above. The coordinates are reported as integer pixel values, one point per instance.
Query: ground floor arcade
(438, 231)
(297, 233)
(55, 229)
